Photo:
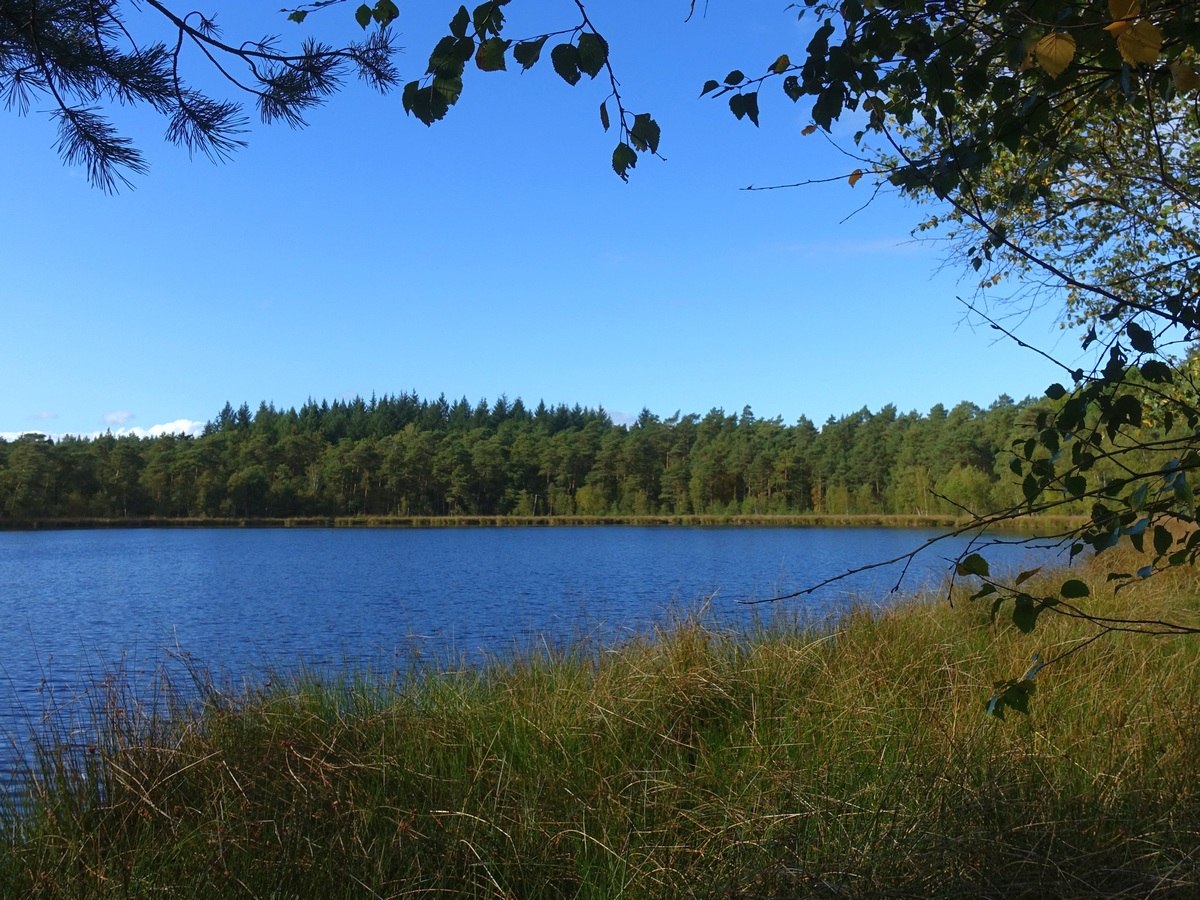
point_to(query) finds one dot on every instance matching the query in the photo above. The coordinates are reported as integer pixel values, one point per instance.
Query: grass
(699, 763)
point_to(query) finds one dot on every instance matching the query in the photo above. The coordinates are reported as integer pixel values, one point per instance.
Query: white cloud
(44, 416)
(179, 426)
(185, 427)
(120, 418)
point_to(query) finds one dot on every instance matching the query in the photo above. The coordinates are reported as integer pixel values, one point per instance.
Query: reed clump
(780, 762)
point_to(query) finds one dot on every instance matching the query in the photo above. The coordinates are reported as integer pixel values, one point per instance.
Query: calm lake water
(245, 602)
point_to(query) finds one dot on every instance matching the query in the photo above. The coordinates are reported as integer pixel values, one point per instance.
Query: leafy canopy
(84, 55)
(1060, 139)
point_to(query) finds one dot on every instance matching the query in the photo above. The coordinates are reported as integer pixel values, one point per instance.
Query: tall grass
(696, 763)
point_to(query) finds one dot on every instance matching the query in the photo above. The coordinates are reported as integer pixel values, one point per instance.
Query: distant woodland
(405, 456)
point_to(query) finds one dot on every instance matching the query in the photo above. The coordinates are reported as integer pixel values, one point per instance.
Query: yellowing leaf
(781, 65)
(1124, 9)
(1140, 43)
(808, 129)
(855, 176)
(1054, 52)
(1186, 78)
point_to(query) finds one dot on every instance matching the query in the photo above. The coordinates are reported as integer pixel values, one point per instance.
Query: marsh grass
(1043, 524)
(695, 762)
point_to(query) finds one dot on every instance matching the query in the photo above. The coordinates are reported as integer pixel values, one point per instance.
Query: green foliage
(585, 52)
(1059, 146)
(77, 55)
(83, 53)
(404, 456)
(383, 13)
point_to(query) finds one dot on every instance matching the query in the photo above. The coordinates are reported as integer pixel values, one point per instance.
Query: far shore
(1043, 524)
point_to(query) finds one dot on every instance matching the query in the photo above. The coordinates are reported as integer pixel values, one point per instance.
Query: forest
(401, 455)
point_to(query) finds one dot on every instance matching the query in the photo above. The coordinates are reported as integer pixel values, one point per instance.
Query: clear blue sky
(495, 253)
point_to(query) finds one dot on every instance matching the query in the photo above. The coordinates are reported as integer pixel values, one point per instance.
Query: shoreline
(1026, 524)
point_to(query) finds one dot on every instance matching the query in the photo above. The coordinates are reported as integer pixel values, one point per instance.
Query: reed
(1028, 524)
(697, 762)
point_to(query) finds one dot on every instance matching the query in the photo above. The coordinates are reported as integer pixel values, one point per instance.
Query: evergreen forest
(405, 456)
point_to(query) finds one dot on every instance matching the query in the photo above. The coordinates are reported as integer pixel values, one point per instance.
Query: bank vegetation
(779, 762)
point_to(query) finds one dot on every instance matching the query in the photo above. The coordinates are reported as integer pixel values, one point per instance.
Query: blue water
(244, 603)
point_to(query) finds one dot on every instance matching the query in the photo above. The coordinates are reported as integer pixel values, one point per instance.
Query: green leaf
(1010, 695)
(1139, 338)
(645, 133)
(996, 604)
(745, 105)
(363, 16)
(1126, 410)
(490, 55)
(448, 87)
(604, 114)
(1137, 499)
(1138, 527)
(1183, 492)
(1056, 391)
(565, 59)
(1026, 575)
(709, 86)
(1025, 613)
(1157, 372)
(791, 88)
(1076, 485)
(458, 25)
(1163, 539)
(623, 159)
(425, 103)
(986, 591)
(1074, 589)
(593, 53)
(1031, 487)
(450, 56)
(973, 565)
(385, 12)
(735, 77)
(489, 17)
(529, 52)
(298, 16)
(828, 106)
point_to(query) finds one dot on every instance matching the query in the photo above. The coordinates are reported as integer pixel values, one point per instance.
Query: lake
(246, 602)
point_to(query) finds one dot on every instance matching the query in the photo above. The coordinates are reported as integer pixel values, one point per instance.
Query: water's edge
(1026, 524)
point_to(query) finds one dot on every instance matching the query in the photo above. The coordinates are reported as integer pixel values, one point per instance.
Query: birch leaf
(1124, 9)
(1140, 43)
(1185, 77)
(1054, 53)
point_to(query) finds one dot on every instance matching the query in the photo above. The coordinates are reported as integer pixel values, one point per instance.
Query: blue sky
(495, 253)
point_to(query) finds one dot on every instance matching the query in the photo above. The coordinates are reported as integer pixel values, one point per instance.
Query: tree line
(404, 456)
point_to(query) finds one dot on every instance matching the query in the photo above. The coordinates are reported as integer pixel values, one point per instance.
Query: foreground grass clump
(699, 764)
